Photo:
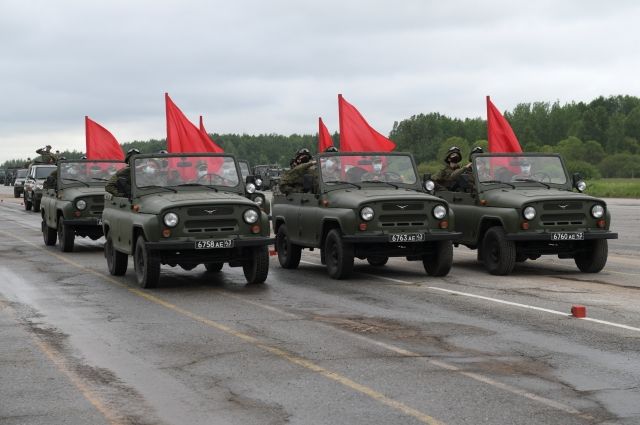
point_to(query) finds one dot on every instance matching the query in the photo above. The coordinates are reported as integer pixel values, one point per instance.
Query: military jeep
(515, 207)
(185, 210)
(350, 207)
(74, 206)
(36, 175)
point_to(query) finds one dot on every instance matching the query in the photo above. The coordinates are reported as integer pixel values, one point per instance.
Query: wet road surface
(389, 346)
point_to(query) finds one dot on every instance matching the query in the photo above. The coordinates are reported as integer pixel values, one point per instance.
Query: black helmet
(474, 151)
(303, 151)
(130, 152)
(83, 157)
(331, 149)
(453, 151)
(162, 151)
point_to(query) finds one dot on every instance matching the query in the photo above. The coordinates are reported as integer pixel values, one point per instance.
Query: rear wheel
(36, 206)
(48, 234)
(256, 268)
(16, 193)
(66, 236)
(147, 267)
(377, 261)
(338, 255)
(213, 267)
(27, 202)
(116, 260)
(499, 254)
(595, 258)
(288, 253)
(440, 263)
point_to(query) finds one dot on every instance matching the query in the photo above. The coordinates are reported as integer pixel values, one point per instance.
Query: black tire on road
(27, 203)
(377, 261)
(66, 236)
(36, 206)
(338, 255)
(49, 234)
(117, 261)
(147, 267)
(213, 267)
(499, 254)
(595, 258)
(440, 263)
(256, 268)
(16, 194)
(288, 253)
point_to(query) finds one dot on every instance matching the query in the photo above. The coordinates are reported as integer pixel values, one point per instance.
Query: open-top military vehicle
(18, 184)
(267, 176)
(185, 210)
(366, 205)
(74, 207)
(514, 207)
(36, 175)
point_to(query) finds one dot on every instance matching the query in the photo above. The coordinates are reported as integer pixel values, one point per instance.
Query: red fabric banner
(324, 137)
(499, 132)
(204, 133)
(100, 142)
(182, 135)
(356, 135)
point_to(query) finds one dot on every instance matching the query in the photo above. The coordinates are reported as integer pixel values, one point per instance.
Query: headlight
(251, 188)
(170, 219)
(429, 185)
(258, 200)
(581, 185)
(439, 212)
(367, 213)
(81, 204)
(250, 216)
(597, 211)
(258, 182)
(529, 213)
(38, 186)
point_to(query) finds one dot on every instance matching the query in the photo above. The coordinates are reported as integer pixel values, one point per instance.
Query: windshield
(43, 172)
(22, 173)
(89, 171)
(368, 168)
(244, 170)
(515, 169)
(167, 171)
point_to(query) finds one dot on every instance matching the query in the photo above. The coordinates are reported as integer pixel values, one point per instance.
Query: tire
(27, 203)
(595, 258)
(256, 268)
(440, 263)
(288, 254)
(213, 267)
(16, 194)
(49, 235)
(338, 255)
(147, 267)
(66, 236)
(36, 206)
(116, 261)
(499, 254)
(377, 261)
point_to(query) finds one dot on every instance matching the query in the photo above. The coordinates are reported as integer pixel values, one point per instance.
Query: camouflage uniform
(47, 156)
(117, 187)
(52, 181)
(447, 176)
(292, 180)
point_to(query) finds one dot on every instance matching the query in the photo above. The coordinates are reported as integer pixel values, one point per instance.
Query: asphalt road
(389, 346)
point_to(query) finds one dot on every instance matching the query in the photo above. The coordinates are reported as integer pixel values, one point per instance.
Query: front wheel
(36, 206)
(27, 202)
(499, 254)
(594, 259)
(48, 234)
(66, 236)
(288, 253)
(147, 267)
(440, 263)
(116, 260)
(16, 194)
(338, 255)
(256, 268)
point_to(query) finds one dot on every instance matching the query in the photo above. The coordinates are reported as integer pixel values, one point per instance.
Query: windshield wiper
(158, 187)
(99, 178)
(533, 181)
(343, 182)
(76, 180)
(198, 184)
(379, 181)
(497, 181)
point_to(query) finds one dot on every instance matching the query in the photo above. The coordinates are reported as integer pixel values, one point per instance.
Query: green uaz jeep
(74, 207)
(36, 175)
(185, 210)
(365, 205)
(514, 207)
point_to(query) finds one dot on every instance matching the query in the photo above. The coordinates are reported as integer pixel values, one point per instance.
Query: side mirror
(428, 184)
(578, 182)
(307, 183)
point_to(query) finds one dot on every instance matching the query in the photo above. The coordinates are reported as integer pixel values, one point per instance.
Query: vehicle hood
(354, 198)
(71, 193)
(510, 198)
(155, 203)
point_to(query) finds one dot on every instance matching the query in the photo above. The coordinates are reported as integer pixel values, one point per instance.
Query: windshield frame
(40, 167)
(324, 187)
(63, 183)
(137, 192)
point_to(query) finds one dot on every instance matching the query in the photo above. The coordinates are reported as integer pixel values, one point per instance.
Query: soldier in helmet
(120, 183)
(52, 181)
(47, 156)
(447, 177)
(301, 164)
(331, 149)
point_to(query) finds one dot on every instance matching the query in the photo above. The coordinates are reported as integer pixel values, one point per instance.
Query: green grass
(614, 188)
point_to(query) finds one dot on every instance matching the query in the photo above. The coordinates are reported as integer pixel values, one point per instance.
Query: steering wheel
(212, 177)
(541, 176)
(392, 177)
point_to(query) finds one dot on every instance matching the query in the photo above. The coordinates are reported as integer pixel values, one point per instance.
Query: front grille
(401, 206)
(403, 220)
(210, 211)
(562, 206)
(562, 219)
(212, 225)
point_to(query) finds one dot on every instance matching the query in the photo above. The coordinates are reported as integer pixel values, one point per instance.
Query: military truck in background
(267, 176)
(18, 184)
(36, 175)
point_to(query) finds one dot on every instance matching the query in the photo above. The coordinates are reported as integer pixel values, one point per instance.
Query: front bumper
(522, 237)
(189, 245)
(429, 237)
(89, 221)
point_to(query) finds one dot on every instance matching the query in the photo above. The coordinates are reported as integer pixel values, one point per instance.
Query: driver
(377, 173)
(120, 183)
(331, 168)
(148, 173)
(525, 171)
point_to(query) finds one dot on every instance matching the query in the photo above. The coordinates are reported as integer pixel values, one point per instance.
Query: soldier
(525, 171)
(301, 164)
(26, 164)
(449, 174)
(48, 157)
(52, 181)
(120, 183)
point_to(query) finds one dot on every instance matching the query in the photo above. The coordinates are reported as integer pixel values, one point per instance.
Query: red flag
(204, 133)
(100, 142)
(182, 135)
(499, 132)
(356, 135)
(324, 137)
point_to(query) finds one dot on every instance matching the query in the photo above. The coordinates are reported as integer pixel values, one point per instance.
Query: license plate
(407, 237)
(214, 244)
(563, 236)
(99, 222)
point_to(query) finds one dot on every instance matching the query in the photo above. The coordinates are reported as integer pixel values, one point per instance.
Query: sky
(275, 66)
